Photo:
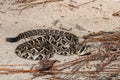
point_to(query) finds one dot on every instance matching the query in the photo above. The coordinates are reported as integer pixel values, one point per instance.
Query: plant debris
(102, 63)
(116, 14)
(24, 4)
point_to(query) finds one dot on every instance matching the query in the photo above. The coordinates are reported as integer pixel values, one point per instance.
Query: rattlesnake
(47, 44)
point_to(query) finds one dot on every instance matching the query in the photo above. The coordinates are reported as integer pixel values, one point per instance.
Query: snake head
(84, 49)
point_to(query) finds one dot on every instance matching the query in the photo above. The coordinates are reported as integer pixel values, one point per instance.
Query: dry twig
(101, 61)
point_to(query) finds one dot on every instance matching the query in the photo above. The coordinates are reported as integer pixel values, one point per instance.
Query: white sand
(94, 16)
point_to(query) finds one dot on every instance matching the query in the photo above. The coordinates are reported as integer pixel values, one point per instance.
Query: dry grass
(103, 63)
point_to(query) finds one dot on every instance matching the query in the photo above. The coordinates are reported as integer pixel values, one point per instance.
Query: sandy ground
(80, 19)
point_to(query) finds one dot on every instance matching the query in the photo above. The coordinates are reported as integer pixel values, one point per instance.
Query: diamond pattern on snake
(47, 43)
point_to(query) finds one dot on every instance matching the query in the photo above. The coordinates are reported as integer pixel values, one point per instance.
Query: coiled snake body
(47, 44)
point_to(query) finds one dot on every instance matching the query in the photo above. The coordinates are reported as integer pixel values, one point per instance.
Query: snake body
(47, 43)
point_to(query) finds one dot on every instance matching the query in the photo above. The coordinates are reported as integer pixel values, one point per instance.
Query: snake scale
(47, 43)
